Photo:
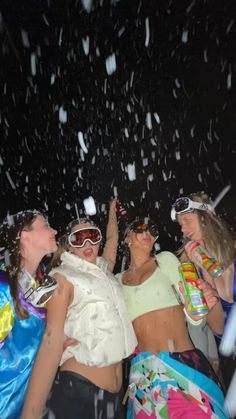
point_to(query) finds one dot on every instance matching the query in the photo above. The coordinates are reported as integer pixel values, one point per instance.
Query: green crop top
(156, 292)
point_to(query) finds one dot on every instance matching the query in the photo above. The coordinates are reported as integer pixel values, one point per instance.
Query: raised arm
(50, 351)
(112, 236)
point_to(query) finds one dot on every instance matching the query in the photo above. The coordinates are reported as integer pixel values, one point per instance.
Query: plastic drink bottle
(195, 296)
(208, 262)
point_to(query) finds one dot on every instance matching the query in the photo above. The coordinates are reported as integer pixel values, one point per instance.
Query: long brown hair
(10, 232)
(216, 234)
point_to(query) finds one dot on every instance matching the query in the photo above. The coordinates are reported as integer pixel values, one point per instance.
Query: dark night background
(169, 106)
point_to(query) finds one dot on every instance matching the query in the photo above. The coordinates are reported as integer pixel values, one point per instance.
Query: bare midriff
(162, 330)
(108, 378)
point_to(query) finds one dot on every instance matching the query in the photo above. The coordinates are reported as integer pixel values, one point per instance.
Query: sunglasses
(41, 294)
(79, 237)
(184, 205)
(140, 228)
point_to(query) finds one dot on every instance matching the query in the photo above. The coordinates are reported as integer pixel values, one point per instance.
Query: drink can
(194, 295)
(208, 262)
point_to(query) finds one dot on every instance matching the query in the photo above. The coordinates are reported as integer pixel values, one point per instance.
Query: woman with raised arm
(168, 376)
(200, 225)
(89, 308)
(25, 238)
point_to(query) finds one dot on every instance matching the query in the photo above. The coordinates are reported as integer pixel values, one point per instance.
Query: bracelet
(194, 322)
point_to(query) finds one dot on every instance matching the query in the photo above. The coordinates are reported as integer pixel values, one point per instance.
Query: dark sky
(167, 108)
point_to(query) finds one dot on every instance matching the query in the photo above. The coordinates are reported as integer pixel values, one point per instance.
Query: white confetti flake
(229, 81)
(177, 155)
(185, 37)
(10, 180)
(149, 120)
(53, 78)
(81, 141)
(147, 32)
(87, 5)
(85, 43)
(89, 205)
(62, 115)
(33, 64)
(157, 118)
(25, 38)
(221, 196)
(111, 64)
(131, 171)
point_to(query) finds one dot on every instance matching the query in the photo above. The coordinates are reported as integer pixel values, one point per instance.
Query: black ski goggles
(79, 237)
(184, 205)
(140, 227)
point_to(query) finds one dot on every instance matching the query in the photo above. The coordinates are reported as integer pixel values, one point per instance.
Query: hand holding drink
(194, 294)
(200, 255)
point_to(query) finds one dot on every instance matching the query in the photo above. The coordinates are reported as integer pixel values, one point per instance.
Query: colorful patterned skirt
(174, 385)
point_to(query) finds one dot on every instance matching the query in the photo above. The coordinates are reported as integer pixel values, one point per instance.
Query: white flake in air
(33, 63)
(229, 81)
(62, 115)
(87, 5)
(89, 205)
(111, 64)
(25, 38)
(157, 118)
(149, 120)
(147, 32)
(53, 78)
(81, 141)
(185, 37)
(177, 155)
(85, 43)
(131, 171)
(10, 180)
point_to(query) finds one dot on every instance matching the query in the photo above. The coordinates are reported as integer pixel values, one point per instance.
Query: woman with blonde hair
(200, 225)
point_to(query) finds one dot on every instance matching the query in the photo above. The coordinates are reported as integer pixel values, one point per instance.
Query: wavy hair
(216, 234)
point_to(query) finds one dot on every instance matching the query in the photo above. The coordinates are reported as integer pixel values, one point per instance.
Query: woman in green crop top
(167, 374)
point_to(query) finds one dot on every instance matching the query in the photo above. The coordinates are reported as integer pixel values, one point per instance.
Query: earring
(129, 244)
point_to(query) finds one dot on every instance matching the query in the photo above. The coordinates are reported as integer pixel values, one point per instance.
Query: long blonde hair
(216, 234)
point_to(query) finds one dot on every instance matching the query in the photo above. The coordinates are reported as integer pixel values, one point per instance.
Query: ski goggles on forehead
(184, 205)
(139, 227)
(79, 237)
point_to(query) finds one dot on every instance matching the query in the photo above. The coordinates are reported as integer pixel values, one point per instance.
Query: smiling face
(40, 237)
(89, 251)
(190, 225)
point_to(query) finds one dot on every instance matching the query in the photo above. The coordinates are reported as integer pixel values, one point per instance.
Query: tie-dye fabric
(174, 386)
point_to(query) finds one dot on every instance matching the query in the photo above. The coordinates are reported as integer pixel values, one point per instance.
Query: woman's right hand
(191, 249)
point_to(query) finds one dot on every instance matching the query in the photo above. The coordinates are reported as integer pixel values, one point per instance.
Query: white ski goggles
(79, 237)
(184, 205)
(40, 295)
